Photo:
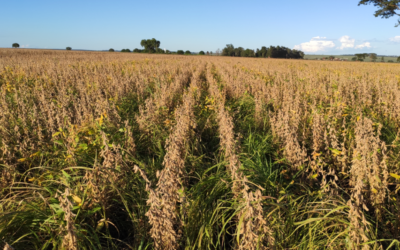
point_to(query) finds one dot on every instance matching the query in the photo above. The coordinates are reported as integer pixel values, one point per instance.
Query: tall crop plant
(120, 151)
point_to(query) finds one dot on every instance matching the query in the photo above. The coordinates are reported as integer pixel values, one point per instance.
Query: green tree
(111, 50)
(383, 59)
(263, 52)
(386, 8)
(202, 53)
(187, 52)
(361, 57)
(150, 45)
(354, 59)
(125, 50)
(68, 48)
(160, 51)
(180, 52)
(373, 57)
(398, 59)
(15, 45)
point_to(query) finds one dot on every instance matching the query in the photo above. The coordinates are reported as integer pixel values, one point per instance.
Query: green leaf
(94, 210)
(58, 142)
(65, 174)
(335, 151)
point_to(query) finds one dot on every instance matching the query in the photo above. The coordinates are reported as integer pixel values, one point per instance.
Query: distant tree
(125, 50)
(208, 53)
(361, 57)
(180, 52)
(373, 57)
(68, 48)
(386, 8)
(390, 61)
(136, 50)
(211, 53)
(331, 57)
(272, 52)
(15, 45)
(398, 59)
(249, 53)
(150, 45)
(382, 59)
(202, 53)
(263, 52)
(218, 52)
(354, 59)
(187, 52)
(229, 50)
(160, 51)
(111, 50)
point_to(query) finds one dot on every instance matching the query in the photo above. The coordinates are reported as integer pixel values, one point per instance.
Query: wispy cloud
(395, 39)
(25, 46)
(363, 45)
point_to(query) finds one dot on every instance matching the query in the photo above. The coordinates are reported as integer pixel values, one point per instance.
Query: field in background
(132, 151)
(386, 58)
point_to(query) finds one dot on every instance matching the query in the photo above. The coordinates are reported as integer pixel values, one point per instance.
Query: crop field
(104, 150)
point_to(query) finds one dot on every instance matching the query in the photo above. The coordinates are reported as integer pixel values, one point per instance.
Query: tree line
(270, 52)
(372, 56)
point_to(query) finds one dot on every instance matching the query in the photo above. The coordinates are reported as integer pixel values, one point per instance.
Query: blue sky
(314, 26)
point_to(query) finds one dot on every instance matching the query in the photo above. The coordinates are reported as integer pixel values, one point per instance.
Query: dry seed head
(70, 240)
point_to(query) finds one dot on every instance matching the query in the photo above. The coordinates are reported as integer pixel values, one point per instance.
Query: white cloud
(363, 45)
(395, 39)
(316, 44)
(346, 42)
(25, 46)
(321, 44)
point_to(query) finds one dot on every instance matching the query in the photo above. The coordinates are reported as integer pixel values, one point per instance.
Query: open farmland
(130, 151)
(349, 57)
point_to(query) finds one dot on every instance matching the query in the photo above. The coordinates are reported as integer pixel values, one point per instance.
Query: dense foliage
(137, 151)
(271, 52)
(386, 8)
(150, 45)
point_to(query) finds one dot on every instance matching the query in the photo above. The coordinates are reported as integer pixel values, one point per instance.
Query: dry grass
(131, 151)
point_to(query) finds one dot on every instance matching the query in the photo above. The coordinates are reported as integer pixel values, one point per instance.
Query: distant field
(136, 151)
(313, 57)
